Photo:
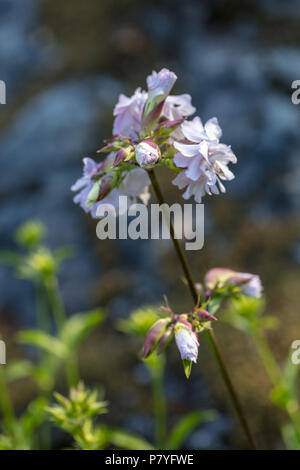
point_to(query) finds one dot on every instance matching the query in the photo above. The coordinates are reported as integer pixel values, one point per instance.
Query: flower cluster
(151, 128)
(184, 328)
(219, 283)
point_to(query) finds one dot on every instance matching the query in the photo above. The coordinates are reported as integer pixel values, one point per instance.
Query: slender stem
(56, 302)
(159, 402)
(209, 335)
(43, 318)
(59, 314)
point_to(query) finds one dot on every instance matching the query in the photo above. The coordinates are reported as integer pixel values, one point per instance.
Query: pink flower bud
(105, 188)
(187, 342)
(205, 315)
(147, 153)
(154, 335)
(159, 86)
(170, 124)
(250, 284)
(164, 340)
(123, 154)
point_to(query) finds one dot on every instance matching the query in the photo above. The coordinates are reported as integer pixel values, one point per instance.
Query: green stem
(59, 315)
(159, 402)
(56, 302)
(209, 334)
(43, 319)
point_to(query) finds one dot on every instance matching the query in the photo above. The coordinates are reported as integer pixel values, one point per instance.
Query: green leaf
(246, 314)
(140, 321)
(18, 369)
(187, 365)
(125, 440)
(215, 303)
(43, 341)
(78, 326)
(186, 425)
(34, 416)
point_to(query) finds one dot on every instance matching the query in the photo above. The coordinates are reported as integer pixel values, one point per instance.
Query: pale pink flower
(178, 106)
(198, 188)
(194, 130)
(187, 342)
(129, 114)
(134, 185)
(205, 159)
(86, 183)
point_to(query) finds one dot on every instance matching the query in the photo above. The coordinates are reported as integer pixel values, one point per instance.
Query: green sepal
(187, 365)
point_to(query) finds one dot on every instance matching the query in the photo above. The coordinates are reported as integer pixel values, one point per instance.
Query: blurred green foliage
(57, 340)
(247, 315)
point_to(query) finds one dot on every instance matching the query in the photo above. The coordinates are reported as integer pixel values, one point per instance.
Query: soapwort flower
(104, 191)
(151, 128)
(184, 328)
(204, 159)
(128, 114)
(248, 284)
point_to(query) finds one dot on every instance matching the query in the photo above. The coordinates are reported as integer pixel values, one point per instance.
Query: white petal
(194, 170)
(181, 161)
(213, 130)
(186, 149)
(193, 130)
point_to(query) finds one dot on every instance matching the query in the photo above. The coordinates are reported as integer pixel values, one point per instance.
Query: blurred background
(64, 64)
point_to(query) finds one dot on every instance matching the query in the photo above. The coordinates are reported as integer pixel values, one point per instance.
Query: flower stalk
(209, 334)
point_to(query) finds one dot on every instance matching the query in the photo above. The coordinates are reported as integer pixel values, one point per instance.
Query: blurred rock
(25, 49)
(41, 158)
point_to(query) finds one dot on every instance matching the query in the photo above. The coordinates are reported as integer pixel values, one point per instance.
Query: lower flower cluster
(219, 284)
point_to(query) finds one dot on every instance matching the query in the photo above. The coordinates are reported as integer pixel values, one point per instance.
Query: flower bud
(105, 188)
(159, 86)
(154, 335)
(250, 284)
(147, 153)
(122, 155)
(100, 189)
(164, 340)
(187, 342)
(168, 124)
(205, 315)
